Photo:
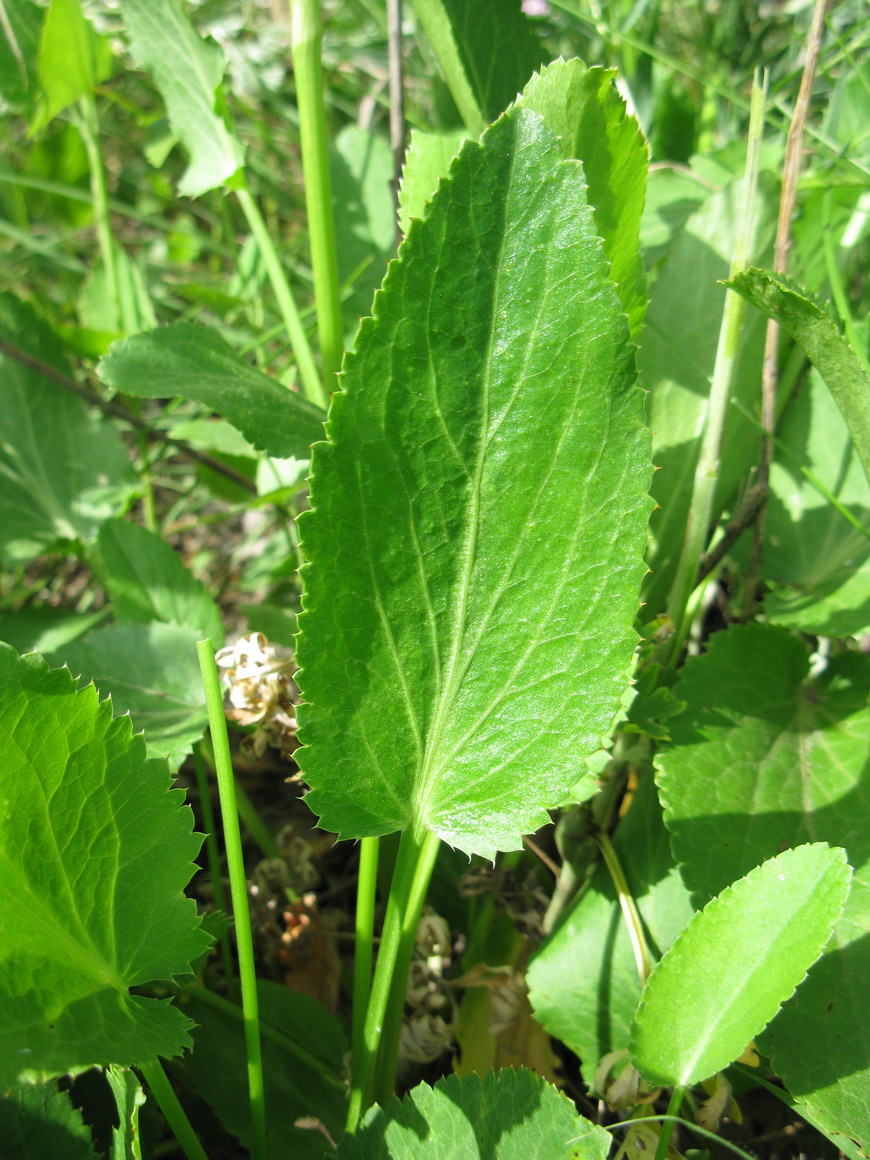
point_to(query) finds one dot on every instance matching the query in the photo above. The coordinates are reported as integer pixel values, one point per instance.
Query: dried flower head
(261, 692)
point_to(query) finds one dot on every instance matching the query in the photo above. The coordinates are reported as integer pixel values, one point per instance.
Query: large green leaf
(846, 377)
(586, 112)
(96, 850)
(147, 581)
(62, 471)
(816, 559)
(763, 758)
(507, 1115)
(196, 363)
(188, 71)
(152, 673)
(583, 984)
(479, 512)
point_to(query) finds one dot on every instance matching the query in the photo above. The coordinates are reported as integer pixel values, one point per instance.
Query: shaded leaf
(765, 758)
(91, 890)
(507, 1115)
(19, 45)
(735, 963)
(188, 71)
(63, 471)
(846, 378)
(196, 363)
(38, 1120)
(44, 630)
(583, 107)
(147, 581)
(466, 631)
(152, 673)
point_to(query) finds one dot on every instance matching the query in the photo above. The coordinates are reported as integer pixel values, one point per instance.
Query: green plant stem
(305, 28)
(310, 379)
(213, 856)
(627, 905)
(238, 892)
(707, 469)
(695, 1128)
(173, 1112)
(416, 858)
(669, 1122)
(364, 926)
(436, 24)
(836, 283)
(89, 129)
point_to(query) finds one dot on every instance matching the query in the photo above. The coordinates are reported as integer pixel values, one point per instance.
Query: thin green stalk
(695, 1128)
(414, 864)
(173, 1112)
(311, 384)
(436, 24)
(89, 129)
(628, 906)
(384, 1084)
(305, 30)
(213, 856)
(364, 925)
(669, 1122)
(247, 811)
(707, 469)
(238, 891)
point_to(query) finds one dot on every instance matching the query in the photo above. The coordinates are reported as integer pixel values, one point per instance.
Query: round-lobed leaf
(736, 962)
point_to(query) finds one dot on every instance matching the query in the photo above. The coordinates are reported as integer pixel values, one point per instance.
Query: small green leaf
(196, 363)
(38, 1121)
(128, 310)
(73, 59)
(846, 377)
(147, 581)
(188, 71)
(151, 672)
(427, 160)
(479, 513)
(735, 963)
(583, 107)
(507, 1115)
(96, 850)
(129, 1097)
(63, 471)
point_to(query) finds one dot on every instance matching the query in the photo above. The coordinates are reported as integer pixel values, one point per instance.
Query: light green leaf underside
(764, 758)
(147, 581)
(188, 71)
(95, 852)
(194, 362)
(586, 112)
(62, 471)
(583, 984)
(738, 959)
(817, 561)
(427, 160)
(478, 516)
(847, 379)
(507, 1115)
(151, 672)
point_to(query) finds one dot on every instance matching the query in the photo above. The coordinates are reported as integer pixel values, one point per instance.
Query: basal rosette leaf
(479, 513)
(95, 852)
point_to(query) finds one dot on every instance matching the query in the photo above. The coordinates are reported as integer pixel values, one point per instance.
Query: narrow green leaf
(19, 45)
(584, 985)
(96, 851)
(129, 1097)
(63, 471)
(735, 963)
(507, 1115)
(147, 581)
(188, 71)
(764, 758)
(73, 59)
(151, 672)
(38, 1120)
(846, 377)
(583, 107)
(196, 363)
(479, 511)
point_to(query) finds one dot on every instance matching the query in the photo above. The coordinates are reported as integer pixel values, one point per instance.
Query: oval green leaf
(735, 963)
